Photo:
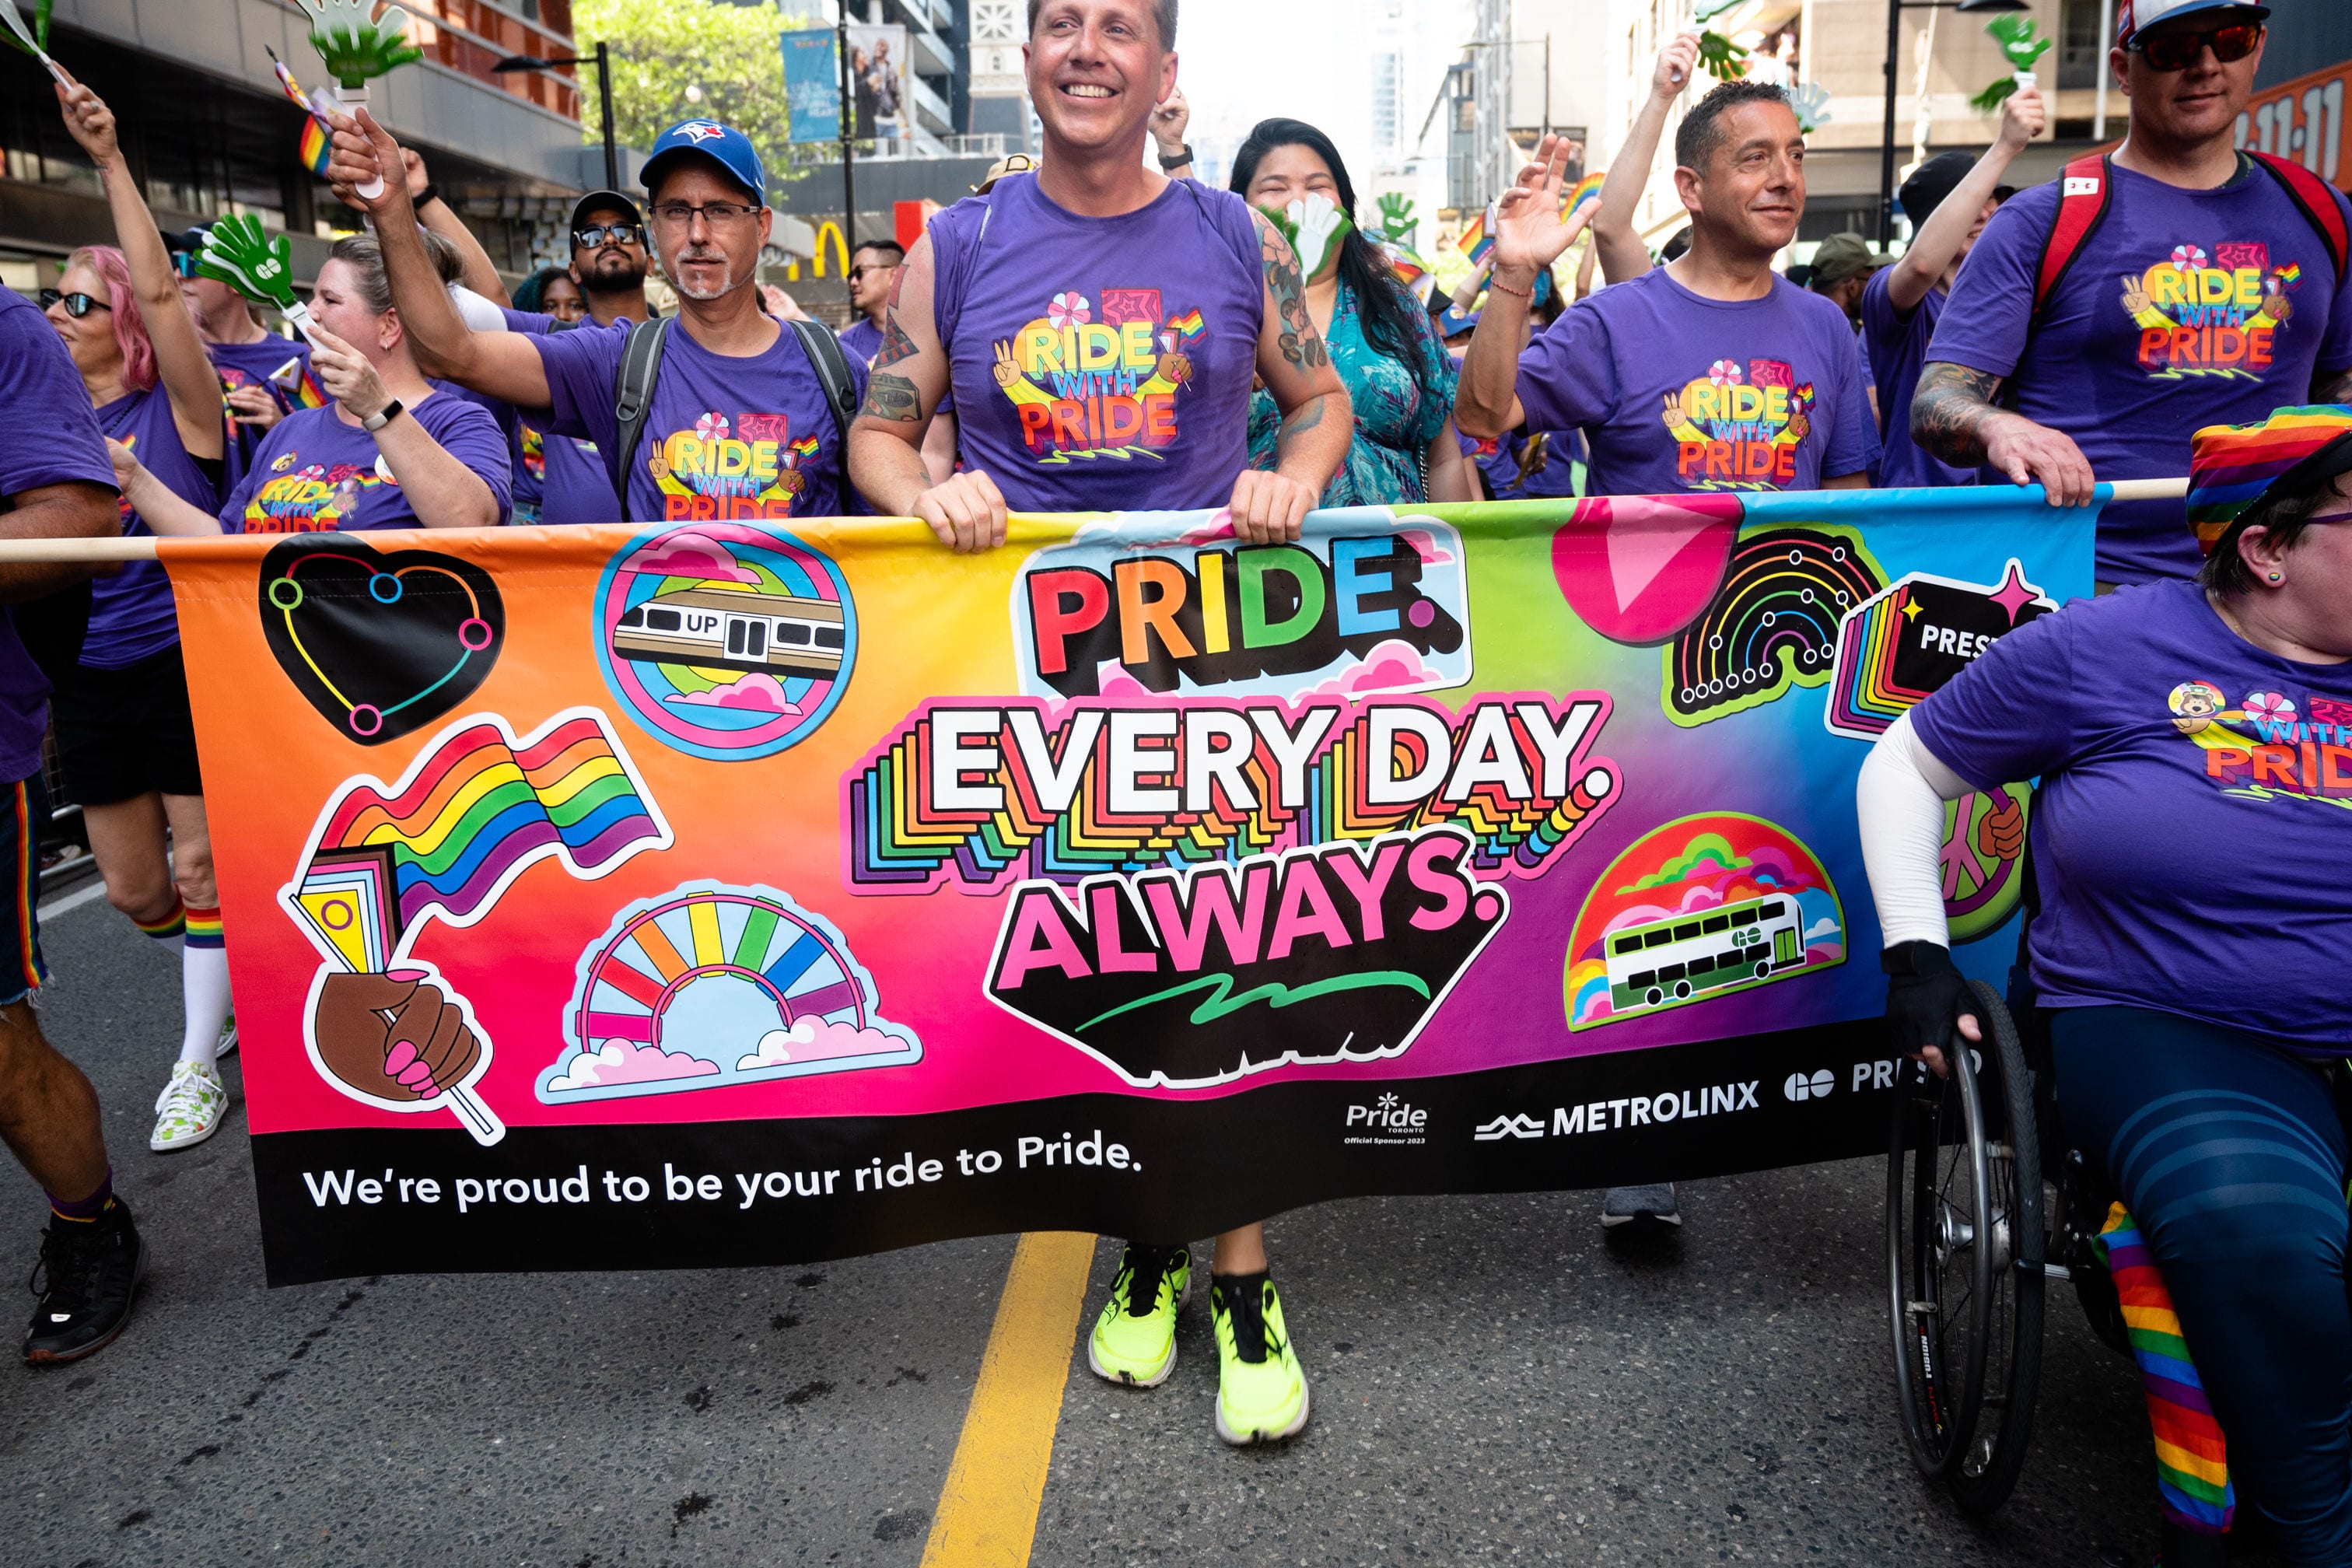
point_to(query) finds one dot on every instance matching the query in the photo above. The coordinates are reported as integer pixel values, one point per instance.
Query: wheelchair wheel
(1965, 1242)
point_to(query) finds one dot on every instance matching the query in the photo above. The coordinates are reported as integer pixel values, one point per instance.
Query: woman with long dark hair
(1388, 353)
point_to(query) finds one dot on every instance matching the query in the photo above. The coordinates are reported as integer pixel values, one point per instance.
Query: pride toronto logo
(1185, 978)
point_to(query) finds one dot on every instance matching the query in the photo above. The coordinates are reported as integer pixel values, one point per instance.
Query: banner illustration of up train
(734, 891)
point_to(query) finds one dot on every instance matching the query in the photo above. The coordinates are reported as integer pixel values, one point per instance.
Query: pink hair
(139, 371)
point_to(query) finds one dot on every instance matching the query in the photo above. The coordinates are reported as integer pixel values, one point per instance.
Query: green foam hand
(33, 39)
(357, 45)
(1398, 223)
(1724, 61)
(258, 265)
(1811, 103)
(1313, 226)
(2021, 44)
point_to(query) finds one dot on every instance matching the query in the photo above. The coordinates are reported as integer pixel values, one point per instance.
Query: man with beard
(737, 399)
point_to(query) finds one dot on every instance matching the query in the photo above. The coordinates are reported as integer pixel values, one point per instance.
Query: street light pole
(848, 127)
(604, 91)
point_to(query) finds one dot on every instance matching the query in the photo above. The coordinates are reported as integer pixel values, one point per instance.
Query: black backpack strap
(632, 396)
(832, 367)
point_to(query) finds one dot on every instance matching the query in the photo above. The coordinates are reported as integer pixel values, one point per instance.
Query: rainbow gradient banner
(738, 892)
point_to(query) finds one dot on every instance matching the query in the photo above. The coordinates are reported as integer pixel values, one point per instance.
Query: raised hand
(87, 120)
(399, 1040)
(362, 152)
(1529, 232)
(2023, 116)
(1169, 120)
(1676, 62)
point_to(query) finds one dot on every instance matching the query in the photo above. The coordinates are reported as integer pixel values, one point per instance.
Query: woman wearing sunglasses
(125, 740)
(2193, 939)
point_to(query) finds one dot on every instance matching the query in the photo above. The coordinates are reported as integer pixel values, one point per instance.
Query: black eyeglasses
(607, 233)
(77, 305)
(2179, 51)
(677, 214)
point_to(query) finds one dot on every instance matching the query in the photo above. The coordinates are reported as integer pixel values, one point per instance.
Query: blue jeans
(2227, 1149)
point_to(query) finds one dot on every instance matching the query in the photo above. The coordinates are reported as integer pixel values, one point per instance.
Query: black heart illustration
(380, 644)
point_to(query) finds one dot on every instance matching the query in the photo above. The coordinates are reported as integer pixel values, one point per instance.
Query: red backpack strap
(2317, 200)
(2085, 190)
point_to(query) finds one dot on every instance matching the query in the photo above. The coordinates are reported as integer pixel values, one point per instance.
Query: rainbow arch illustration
(710, 985)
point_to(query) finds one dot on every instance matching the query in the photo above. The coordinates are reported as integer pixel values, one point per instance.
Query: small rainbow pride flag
(475, 809)
(1587, 189)
(315, 149)
(1187, 326)
(1474, 241)
(294, 379)
(805, 447)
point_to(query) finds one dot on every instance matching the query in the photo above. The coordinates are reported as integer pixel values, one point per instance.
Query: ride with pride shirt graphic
(1099, 378)
(1737, 427)
(2214, 312)
(312, 499)
(2269, 746)
(720, 469)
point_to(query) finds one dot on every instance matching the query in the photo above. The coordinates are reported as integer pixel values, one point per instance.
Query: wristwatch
(381, 418)
(428, 196)
(1177, 159)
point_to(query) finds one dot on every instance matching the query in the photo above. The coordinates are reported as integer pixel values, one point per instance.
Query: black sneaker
(1645, 1205)
(85, 1280)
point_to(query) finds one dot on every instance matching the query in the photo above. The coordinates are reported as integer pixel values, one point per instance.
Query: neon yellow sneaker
(1134, 1340)
(1261, 1392)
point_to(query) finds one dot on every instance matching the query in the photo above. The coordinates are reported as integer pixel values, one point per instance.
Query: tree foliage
(726, 54)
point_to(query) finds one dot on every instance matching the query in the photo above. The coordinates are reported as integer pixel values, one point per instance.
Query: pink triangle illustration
(1638, 569)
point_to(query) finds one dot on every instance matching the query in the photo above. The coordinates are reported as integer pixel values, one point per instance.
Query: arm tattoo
(1949, 409)
(1298, 423)
(1302, 345)
(896, 344)
(892, 397)
(2332, 388)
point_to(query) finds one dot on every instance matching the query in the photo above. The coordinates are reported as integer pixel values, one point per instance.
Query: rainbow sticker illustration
(1983, 859)
(712, 984)
(1896, 648)
(1773, 626)
(727, 640)
(1700, 908)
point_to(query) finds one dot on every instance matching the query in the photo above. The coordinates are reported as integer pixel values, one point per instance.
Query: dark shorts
(24, 807)
(124, 732)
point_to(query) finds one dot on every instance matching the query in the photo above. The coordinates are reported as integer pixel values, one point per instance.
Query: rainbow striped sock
(172, 924)
(204, 927)
(2193, 1461)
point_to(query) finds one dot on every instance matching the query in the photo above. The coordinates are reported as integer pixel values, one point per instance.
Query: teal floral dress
(1398, 414)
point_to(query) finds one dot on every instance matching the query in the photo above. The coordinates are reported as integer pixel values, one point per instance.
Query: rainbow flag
(1474, 241)
(475, 809)
(315, 149)
(2192, 1462)
(1187, 326)
(1587, 189)
(294, 379)
(805, 447)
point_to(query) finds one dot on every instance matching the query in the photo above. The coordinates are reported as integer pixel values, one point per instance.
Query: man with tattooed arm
(2205, 293)
(1100, 325)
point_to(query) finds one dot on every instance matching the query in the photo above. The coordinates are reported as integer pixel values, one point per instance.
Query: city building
(208, 131)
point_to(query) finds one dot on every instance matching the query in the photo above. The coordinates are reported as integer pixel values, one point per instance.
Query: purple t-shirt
(131, 613)
(1897, 346)
(861, 340)
(572, 484)
(315, 474)
(2195, 815)
(1101, 364)
(36, 372)
(2170, 319)
(250, 365)
(1677, 391)
(724, 438)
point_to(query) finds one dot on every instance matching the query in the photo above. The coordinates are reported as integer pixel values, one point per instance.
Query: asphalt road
(1492, 1383)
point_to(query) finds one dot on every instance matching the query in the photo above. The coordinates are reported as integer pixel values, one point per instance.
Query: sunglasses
(607, 233)
(77, 305)
(2179, 51)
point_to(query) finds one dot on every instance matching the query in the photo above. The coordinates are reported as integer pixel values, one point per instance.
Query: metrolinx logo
(1180, 979)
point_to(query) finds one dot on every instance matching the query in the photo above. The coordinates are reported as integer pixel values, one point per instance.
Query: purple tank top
(1101, 364)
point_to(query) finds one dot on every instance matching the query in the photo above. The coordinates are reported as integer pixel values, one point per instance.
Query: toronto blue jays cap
(722, 144)
(2139, 14)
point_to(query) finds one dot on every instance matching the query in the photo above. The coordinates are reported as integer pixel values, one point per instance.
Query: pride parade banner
(739, 892)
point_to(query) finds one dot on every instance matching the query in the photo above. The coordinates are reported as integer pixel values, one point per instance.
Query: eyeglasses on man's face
(77, 305)
(678, 214)
(609, 233)
(2179, 51)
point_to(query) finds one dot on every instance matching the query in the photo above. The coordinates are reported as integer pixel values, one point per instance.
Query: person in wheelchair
(2191, 953)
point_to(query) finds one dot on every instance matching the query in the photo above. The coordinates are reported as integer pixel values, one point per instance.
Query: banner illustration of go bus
(738, 892)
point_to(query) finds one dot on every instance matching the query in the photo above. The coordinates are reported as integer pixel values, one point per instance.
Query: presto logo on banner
(1366, 602)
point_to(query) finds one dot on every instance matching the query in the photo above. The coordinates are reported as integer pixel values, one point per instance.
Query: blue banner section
(813, 84)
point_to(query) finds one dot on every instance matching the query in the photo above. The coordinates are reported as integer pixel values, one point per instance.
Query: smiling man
(2208, 289)
(737, 424)
(1712, 373)
(1099, 326)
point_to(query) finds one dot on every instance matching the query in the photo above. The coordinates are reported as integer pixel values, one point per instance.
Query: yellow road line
(987, 1516)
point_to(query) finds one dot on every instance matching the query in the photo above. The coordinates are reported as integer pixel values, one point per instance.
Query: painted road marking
(987, 1516)
(72, 900)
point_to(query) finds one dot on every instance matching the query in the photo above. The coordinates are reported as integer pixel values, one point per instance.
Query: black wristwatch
(382, 416)
(1183, 157)
(428, 196)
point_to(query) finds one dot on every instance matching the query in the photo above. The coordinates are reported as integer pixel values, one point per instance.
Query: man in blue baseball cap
(731, 398)
(2104, 317)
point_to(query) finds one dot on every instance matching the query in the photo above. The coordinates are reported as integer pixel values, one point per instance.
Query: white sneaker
(190, 1109)
(228, 1046)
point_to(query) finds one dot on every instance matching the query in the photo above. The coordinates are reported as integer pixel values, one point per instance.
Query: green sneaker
(1261, 1392)
(1134, 1340)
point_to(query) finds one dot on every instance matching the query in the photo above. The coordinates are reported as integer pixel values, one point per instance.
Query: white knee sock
(204, 981)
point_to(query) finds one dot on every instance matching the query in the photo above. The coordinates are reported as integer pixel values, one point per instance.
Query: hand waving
(87, 120)
(1529, 232)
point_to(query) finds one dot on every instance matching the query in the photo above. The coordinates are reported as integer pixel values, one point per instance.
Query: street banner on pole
(740, 891)
(811, 85)
(879, 78)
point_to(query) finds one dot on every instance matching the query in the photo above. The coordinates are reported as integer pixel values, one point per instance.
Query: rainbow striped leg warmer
(172, 923)
(2192, 1462)
(204, 927)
